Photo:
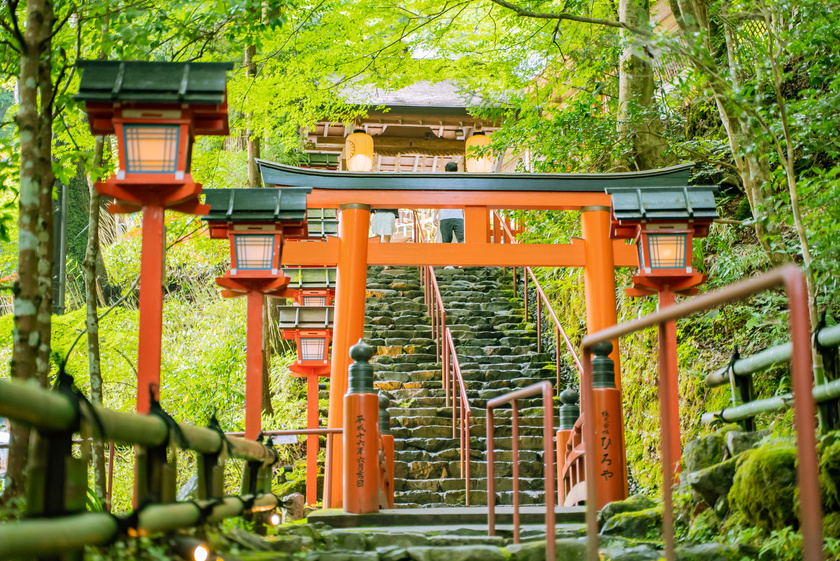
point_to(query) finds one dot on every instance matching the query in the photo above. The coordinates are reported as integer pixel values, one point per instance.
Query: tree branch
(571, 17)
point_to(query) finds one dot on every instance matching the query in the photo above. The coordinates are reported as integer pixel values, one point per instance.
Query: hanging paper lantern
(358, 149)
(474, 163)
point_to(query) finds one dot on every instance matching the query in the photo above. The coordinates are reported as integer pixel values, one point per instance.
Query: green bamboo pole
(50, 410)
(821, 393)
(828, 337)
(49, 536)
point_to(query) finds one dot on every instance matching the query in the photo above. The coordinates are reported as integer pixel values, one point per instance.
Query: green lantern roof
(311, 277)
(256, 205)
(695, 203)
(306, 317)
(153, 82)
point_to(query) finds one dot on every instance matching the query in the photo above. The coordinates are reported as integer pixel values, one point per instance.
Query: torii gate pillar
(599, 275)
(599, 287)
(349, 327)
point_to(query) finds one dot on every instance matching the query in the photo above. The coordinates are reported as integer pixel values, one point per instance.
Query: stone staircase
(496, 352)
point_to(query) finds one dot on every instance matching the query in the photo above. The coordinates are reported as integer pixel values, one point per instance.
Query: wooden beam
(333, 198)
(394, 144)
(325, 253)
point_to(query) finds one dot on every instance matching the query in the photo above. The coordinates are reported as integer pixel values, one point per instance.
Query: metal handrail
(436, 310)
(542, 300)
(513, 397)
(559, 331)
(792, 279)
(463, 406)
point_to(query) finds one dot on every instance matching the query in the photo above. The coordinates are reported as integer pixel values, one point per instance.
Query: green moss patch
(764, 490)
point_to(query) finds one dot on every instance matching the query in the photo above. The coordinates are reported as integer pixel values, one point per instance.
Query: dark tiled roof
(672, 203)
(290, 176)
(256, 205)
(153, 82)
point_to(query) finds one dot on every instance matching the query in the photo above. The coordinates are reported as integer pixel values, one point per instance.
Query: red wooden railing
(513, 397)
(792, 279)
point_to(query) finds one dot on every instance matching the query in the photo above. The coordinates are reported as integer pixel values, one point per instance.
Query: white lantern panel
(151, 148)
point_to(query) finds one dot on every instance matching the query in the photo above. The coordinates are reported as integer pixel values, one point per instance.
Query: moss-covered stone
(738, 442)
(713, 482)
(636, 553)
(566, 550)
(344, 540)
(703, 452)
(704, 527)
(764, 488)
(378, 540)
(642, 524)
(462, 553)
(631, 504)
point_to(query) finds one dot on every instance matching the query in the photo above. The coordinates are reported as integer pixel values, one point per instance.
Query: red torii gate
(357, 193)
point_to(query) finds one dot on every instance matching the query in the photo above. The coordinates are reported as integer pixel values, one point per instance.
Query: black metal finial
(360, 373)
(569, 411)
(384, 416)
(603, 367)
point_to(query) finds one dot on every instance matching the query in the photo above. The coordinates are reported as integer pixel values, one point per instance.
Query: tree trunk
(252, 138)
(92, 321)
(638, 114)
(741, 131)
(33, 287)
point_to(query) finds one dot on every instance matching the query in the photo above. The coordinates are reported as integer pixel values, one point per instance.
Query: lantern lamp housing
(358, 150)
(255, 250)
(664, 249)
(154, 110)
(474, 163)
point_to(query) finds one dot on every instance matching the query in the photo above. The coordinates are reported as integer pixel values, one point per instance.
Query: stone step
(458, 497)
(476, 430)
(408, 422)
(477, 484)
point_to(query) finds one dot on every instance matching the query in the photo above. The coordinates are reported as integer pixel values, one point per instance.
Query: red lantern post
(255, 222)
(664, 223)
(155, 111)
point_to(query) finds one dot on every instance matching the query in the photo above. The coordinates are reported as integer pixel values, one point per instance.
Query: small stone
(292, 507)
(703, 452)
(642, 524)
(738, 442)
(713, 482)
(631, 504)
